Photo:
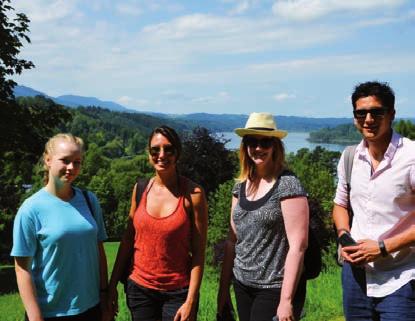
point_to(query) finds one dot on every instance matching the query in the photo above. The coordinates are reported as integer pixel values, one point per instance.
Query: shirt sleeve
(102, 233)
(290, 186)
(341, 197)
(24, 233)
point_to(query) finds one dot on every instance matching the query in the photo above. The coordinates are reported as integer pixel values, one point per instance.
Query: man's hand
(365, 251)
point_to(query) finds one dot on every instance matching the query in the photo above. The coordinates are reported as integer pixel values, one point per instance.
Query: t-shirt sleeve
(102, 233)
(235, 190)
(24, 232)
(290, 186)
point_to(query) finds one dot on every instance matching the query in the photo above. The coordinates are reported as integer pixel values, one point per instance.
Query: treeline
(116, 156)
(348, 134)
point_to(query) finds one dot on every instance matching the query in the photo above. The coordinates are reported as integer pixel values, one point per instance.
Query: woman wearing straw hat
(269, 229)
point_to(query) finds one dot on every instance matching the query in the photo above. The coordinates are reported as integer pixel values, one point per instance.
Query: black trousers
(152, 305)
(255, 304)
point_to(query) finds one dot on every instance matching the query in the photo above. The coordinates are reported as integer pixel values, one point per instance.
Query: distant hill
(76, 101)
(71, 100)
(228, 122)
(346, 134)
(214, 122)
(23, 91)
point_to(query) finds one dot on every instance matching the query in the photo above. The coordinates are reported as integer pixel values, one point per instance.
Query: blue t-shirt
(62, 238)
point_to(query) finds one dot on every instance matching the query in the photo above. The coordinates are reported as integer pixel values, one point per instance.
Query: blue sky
(287, 57)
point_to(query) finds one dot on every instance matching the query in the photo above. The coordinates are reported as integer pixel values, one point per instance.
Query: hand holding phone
(346, 240)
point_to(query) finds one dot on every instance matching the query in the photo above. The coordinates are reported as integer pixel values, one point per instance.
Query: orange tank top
(162, 259)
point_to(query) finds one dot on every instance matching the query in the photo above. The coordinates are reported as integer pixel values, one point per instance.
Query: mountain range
(214, 122)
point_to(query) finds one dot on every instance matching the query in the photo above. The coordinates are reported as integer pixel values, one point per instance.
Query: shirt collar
(395, 143)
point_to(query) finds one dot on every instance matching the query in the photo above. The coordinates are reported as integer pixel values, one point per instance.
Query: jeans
(255, 304)
(357, 306)
(93, 314)
(152, 305)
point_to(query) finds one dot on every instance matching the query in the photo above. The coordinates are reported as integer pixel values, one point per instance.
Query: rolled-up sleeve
(341, 197)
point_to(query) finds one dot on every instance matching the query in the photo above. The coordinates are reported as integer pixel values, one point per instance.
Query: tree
(205, 159)
(28, 125)
(12, 33)
(406, 128)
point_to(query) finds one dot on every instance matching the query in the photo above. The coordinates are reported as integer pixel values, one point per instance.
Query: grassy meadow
(323, 295)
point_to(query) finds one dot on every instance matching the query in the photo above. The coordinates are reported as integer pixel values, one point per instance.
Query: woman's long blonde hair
(247, 166)
(50, 149)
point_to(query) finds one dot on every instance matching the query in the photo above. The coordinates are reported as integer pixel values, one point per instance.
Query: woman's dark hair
(171, 136)
(381, 90)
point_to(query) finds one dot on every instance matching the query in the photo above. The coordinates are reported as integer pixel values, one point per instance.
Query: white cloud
(313, 9)
(220, 97)
(47, 11)
(129, 9)
(132, 102)
(283, 96)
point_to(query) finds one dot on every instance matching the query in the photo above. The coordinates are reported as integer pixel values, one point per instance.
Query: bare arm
(26, 287)
(296, 219)
(341, 219)
(199, 234)
(227, 264)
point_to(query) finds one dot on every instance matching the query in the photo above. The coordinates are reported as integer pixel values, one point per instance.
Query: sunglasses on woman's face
(375, 112)
(168, 150)
(254, 142)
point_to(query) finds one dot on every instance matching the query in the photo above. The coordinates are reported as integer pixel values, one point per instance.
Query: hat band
(261, 128)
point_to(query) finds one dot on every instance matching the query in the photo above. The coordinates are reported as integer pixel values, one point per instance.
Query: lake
(292, 142)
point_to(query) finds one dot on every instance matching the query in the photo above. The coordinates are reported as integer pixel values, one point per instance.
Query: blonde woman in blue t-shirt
(57, 242)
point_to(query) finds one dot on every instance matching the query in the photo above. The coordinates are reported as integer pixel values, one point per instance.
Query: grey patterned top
(262, 245)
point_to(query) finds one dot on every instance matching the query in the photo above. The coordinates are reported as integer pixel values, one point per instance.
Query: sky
(287, 57)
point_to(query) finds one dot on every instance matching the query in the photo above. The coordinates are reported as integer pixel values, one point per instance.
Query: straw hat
(261, 124)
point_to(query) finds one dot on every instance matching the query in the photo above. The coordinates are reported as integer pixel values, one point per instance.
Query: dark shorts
(152, 305)
(357, 306)
(255, 304)
(93, 314)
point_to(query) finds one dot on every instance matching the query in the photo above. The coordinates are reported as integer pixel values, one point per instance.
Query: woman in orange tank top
(166, 235)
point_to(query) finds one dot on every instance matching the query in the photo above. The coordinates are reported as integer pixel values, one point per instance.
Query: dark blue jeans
(152, 305)
(357, 306)
(261, 304)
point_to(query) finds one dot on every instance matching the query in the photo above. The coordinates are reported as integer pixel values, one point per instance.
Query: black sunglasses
(253, 142)
(168, 150)
(375, 112)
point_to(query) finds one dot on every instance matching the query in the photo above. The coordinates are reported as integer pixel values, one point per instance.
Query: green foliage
(316, 170)
(346, 134)
(219, 218)
(406, 128)
(25, 127)
(12, 33)
(205, 159)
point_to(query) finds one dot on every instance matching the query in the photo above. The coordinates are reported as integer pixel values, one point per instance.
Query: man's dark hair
(171, 136)
(381, 90)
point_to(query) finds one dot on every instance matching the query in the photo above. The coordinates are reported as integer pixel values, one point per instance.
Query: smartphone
(346, 240)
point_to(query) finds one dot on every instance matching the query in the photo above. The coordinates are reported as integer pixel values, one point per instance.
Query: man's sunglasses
(254, 142)
(375, 112)
(168, 150)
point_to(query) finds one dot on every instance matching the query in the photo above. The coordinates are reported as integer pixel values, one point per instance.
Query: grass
(323, 294)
